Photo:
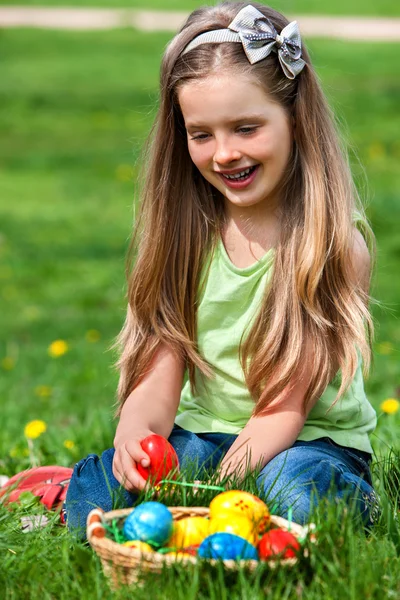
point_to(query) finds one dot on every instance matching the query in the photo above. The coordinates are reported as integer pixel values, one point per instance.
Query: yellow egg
(237, 524)
(243, 503)
(138, 545)
(189, 531)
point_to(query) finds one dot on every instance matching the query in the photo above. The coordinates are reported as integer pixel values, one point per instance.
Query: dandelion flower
(69, 444)
(376, 151)
(390, 406)
(92, 336)
(34, 429)
(385, 348)
(124, 173)
(43, 391)
(8, 363)
(14, 452)
(58, 348)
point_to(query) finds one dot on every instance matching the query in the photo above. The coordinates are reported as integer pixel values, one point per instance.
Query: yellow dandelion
(69, 444)
(34, 429)
(14, 452)
(10, 292)
(101, 118)
(124, 173)
(31, 313)
(58, 348)
(43, 391)
(6, 272)
(376, 151)
(8, 363)
(384, 348)
(390, 406)
(92, 336)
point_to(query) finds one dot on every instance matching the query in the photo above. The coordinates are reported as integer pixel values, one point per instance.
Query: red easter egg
(278, 543)
(192, 550)
(163, 458)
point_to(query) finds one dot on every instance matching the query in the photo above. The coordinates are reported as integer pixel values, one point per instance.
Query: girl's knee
(93, 485)
(360, 495)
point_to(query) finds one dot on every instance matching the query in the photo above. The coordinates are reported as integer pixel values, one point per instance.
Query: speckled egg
(227, 546)
(150, 522)
(236, 501)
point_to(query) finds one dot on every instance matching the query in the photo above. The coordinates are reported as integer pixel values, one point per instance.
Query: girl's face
(238, 137)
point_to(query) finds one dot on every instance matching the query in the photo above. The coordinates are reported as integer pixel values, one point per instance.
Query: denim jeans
(292, 481)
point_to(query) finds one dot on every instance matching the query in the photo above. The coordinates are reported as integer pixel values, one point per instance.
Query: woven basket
(122, 564)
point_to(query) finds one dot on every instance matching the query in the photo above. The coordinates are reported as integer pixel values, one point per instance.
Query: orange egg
(189, 531)
(235, 523)
(243, 503)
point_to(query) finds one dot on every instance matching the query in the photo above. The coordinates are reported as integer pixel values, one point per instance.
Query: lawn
(292, 7)
(76, 109)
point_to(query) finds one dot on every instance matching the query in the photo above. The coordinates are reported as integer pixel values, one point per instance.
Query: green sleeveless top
(230, 298)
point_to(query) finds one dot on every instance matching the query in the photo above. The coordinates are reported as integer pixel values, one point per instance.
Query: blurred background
(75, 109)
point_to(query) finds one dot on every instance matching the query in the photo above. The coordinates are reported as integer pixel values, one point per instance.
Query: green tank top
(230, 299)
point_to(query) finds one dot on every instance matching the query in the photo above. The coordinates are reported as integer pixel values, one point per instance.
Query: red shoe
(50, 484)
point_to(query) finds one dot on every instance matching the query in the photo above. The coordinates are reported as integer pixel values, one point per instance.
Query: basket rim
(106, 545)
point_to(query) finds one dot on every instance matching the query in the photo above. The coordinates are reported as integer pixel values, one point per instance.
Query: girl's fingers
(132, 480)
(136, 452)
(119, 474)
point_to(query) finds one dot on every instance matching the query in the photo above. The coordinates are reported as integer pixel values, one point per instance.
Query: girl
(248, 299)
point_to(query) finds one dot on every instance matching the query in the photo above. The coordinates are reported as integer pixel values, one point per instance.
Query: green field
(291, 7)
(76, 109)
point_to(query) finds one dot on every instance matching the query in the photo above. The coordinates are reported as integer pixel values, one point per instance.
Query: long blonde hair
(312, 295)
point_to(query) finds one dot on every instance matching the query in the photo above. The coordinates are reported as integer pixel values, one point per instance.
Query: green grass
(290, 7)
(76, 108)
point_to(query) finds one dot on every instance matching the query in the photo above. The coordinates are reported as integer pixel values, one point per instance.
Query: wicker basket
(122, 564)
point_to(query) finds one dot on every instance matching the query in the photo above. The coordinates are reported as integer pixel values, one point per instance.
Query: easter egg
(150, 522)
(192, 550)
(138, 545)
(227, 546)
(278, 543)
(163, 458)
(236, 501)
(235, 523)
(189, 531)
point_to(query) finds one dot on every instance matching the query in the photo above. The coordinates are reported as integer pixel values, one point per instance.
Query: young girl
(248, 312)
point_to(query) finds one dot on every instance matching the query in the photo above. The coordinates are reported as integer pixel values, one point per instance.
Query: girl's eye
(201, 136)
(247, 130)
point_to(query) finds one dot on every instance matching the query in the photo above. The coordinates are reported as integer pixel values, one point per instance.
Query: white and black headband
(259, 38)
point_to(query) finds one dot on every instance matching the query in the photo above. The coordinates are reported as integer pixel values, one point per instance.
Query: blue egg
(227, 546)
(150, 522)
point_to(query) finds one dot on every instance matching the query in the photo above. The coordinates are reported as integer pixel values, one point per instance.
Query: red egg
(163, 458)
(278, 543)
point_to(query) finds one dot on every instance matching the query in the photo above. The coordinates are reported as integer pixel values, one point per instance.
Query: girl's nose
(226, 152)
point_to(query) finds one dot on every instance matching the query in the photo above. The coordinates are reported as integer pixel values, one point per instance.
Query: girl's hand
(128, 453)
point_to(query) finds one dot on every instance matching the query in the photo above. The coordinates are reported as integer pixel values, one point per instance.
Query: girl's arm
(265, 436)
(150, 408)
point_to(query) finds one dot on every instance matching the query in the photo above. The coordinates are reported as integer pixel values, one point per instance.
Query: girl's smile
(238, 138)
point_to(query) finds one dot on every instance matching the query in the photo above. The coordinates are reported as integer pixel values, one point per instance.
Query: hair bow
(259, 38)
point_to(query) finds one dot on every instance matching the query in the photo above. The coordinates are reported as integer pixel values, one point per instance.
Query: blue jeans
(292, 482)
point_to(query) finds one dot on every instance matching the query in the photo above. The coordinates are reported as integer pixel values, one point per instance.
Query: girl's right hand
(128, 453)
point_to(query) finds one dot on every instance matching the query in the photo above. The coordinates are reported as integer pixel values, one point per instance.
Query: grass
(292, 7)
(76, 108)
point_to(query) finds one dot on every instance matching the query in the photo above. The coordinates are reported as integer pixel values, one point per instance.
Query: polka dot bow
(259, 38)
